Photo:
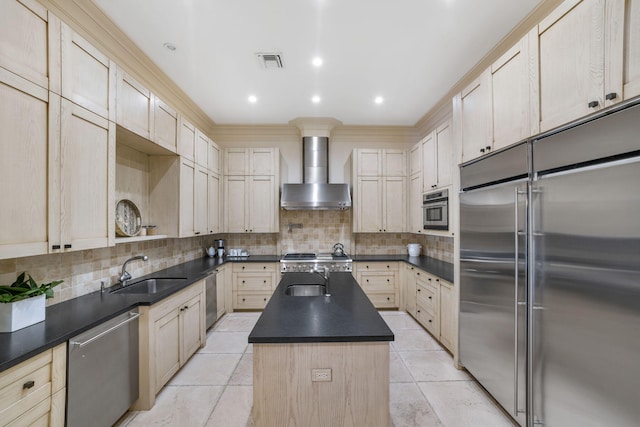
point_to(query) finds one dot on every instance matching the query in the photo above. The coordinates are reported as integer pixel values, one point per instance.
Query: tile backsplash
(311, 231)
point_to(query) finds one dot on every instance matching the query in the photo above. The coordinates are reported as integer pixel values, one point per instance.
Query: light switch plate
(321, 374)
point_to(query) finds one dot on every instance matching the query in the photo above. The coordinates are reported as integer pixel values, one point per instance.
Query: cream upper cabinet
(213, 201)
(473, 108)
(165, 125)
(631, 71)
(214, 157)
(187, 198)
(415, 205)
(380, 162)
(200, 202)
(437, 158)
(251, 161)
(27, 116)
(202, 149)
(380, 205)
(251, 204)
(395, 202)
(415, 160)
(394, 162)
(514, 85)
(88, 76)
(581, 59)
(429, 162)
(82, 182)
(31, 43)
(186, 139)
(235, 206)
(134, 105)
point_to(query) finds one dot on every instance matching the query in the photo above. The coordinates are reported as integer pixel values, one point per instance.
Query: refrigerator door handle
(517, 233)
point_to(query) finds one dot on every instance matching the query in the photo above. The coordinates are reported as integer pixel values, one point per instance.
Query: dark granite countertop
(345, 316)
(70, 318)
(441, 269)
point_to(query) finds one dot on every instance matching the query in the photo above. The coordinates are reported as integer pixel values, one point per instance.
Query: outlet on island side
(321, 374)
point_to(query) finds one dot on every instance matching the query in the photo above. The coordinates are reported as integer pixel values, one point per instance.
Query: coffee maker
(219, 246)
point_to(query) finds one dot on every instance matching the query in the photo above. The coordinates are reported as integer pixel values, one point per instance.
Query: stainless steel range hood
(315, 193)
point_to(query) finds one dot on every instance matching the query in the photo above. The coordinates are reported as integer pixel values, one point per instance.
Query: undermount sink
(150, 286)
(303, 290)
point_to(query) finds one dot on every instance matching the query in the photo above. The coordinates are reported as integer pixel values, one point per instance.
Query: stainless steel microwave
(435, 210)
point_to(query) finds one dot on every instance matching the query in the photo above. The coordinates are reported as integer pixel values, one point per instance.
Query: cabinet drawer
(377, 266)
(254, 266)
(253, 282)
(24, 386)
(427, 297)
(428, 320)
(37, 416)
(250, 301)
(382, 282)
(383, 300)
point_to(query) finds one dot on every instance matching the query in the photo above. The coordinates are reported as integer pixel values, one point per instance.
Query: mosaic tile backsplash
(300, 231)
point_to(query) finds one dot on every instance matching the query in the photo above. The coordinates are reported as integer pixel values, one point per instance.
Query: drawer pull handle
(54, 247)
(387, 280)
(611, 96)
(243, 281)
(418, 311)
(28, 384)
(388, 299)
(593, 104)
(418, 290)
(243, 300)
(67, 246)
(429, 320)
(264, 281)
(429, 297)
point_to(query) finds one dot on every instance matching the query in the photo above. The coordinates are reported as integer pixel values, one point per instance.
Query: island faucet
(324, 273)
(125, 276)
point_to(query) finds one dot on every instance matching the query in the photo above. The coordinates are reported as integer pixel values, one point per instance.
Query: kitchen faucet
(324, 273)
(125, 276)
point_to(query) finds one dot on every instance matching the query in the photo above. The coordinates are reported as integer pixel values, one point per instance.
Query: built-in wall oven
(435, 210)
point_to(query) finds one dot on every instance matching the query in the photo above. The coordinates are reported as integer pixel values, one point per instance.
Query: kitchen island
(321, 360)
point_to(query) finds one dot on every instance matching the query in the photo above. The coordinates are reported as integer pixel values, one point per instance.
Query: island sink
(305, 290)
(149, 286)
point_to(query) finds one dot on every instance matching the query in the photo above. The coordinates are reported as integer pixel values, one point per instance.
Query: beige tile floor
(214, 389)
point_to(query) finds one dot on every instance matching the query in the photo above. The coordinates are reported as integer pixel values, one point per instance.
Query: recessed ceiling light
(378, 100)
(315, 99)
(169, 46)
(317, 61)
(253, 99)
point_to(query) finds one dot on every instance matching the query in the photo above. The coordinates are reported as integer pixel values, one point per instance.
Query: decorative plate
(128, 221)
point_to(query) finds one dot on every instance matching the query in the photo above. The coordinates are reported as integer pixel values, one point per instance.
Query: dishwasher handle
(132, 316)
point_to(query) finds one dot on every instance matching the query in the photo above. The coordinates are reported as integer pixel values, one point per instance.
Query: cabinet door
(395, 202)
(221, 287)
(186, 139)
(30, 43)
(190, 328)
(237, 161)
(415, 159)
(475, 117)
(262, 205)
(394, 162)
(200, 203)
(165, 129)
(235, 205)
(25, 111)
(202, 149)
(187, 183)
(410, 291)
(213, 200)
(632, 50)
(134, 105)
(446, 315)
(369, 162)
(214, 157)
(444, 141)
(87, 179)
(167, 350)
(262, 161)
(511, 77)
(430, 162)
(415, 204)
(369, 205)
(88, 76)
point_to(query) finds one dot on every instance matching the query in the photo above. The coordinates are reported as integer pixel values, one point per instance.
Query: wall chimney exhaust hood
(315, 193)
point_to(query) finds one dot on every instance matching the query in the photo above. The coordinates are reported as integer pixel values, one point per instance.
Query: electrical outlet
(321, 374)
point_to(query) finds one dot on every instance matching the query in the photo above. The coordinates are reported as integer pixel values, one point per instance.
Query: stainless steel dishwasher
(102, 379)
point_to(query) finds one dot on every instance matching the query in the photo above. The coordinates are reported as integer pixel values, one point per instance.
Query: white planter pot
(20, 314)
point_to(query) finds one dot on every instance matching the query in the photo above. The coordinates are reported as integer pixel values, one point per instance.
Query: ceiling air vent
(270, 60)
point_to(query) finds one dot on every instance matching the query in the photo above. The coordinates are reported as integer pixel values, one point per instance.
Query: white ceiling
(411, 52)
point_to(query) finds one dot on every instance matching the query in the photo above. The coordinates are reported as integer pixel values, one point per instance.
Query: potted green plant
(22, 302)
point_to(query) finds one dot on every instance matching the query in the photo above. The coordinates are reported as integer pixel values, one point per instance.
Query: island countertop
(345, 316)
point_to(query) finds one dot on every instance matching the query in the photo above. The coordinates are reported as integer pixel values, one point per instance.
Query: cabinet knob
(387, 280)
(243, 267)
(482, 150)
(265, 299)
(418, 311)
(388, 299)
(488, 148)
(243, 281)
(593, 104)
(186, 307)
(264, 267)
(417, 272)
(367, 280)
(429, 297)
(611, 96)
(196, 233)
(264, 281)
(429, 279)
(418, 290)
(429, 320)
(437, 280)
(388, 266)
(29, 384)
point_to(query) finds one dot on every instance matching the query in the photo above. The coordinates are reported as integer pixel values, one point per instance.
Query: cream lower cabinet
(222, 283)
(33, 393)
(253, 284)
(170, 333)
(380, 281)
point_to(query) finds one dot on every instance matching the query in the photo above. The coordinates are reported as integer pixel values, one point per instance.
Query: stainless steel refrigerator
(550, 273)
